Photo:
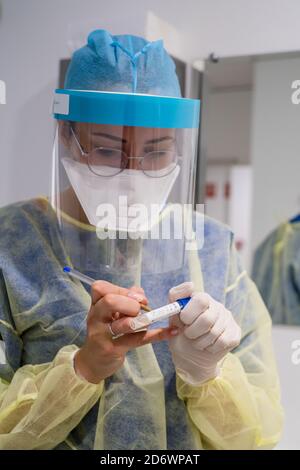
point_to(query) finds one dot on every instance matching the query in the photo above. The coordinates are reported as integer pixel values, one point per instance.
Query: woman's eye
(106, 152)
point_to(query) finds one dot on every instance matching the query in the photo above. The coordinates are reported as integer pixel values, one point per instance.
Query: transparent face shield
(123, 181)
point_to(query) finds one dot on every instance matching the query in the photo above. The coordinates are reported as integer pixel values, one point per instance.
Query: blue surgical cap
(123, 63)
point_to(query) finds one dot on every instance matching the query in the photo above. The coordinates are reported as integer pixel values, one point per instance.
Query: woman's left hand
(208, 332)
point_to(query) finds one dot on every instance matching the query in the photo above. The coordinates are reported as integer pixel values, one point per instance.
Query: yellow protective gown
(240, 409)
(276, 272)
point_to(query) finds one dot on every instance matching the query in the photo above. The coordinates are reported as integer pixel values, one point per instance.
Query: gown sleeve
(241, 408)
(43, 403)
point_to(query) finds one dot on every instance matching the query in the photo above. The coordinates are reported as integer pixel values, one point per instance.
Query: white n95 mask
(129, 201)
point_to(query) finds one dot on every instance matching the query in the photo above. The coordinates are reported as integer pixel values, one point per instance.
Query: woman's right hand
(101, 356)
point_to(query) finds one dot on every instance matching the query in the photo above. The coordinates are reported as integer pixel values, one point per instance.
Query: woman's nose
(133, 161)
(133, 164)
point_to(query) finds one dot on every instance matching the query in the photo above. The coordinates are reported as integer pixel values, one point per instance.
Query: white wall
(217, 205)
(275, 146)
(289, 375)
(237, 27)
(239, 218)
(228, 153)
(228, 127)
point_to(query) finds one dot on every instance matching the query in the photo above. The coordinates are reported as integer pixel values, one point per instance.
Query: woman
(208, 379)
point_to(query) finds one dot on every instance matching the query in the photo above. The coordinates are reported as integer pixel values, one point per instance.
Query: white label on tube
(145, 319)
(164, 312)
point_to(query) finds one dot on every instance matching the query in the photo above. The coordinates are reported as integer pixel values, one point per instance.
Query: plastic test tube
(158, 314)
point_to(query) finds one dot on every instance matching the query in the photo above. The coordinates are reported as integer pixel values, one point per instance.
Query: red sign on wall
(210, 190)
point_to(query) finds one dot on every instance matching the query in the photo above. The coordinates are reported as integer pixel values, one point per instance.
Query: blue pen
(89, 280)
(82, 277)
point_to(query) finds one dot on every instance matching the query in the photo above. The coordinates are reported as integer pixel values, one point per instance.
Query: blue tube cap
(183, 302)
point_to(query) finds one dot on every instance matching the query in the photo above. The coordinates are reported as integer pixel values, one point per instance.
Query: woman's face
(132, 141)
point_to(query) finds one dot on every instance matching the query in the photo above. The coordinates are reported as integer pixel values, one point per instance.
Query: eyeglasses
(105, 161)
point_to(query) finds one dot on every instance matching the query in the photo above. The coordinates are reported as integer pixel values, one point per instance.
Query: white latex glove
(208, 333)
